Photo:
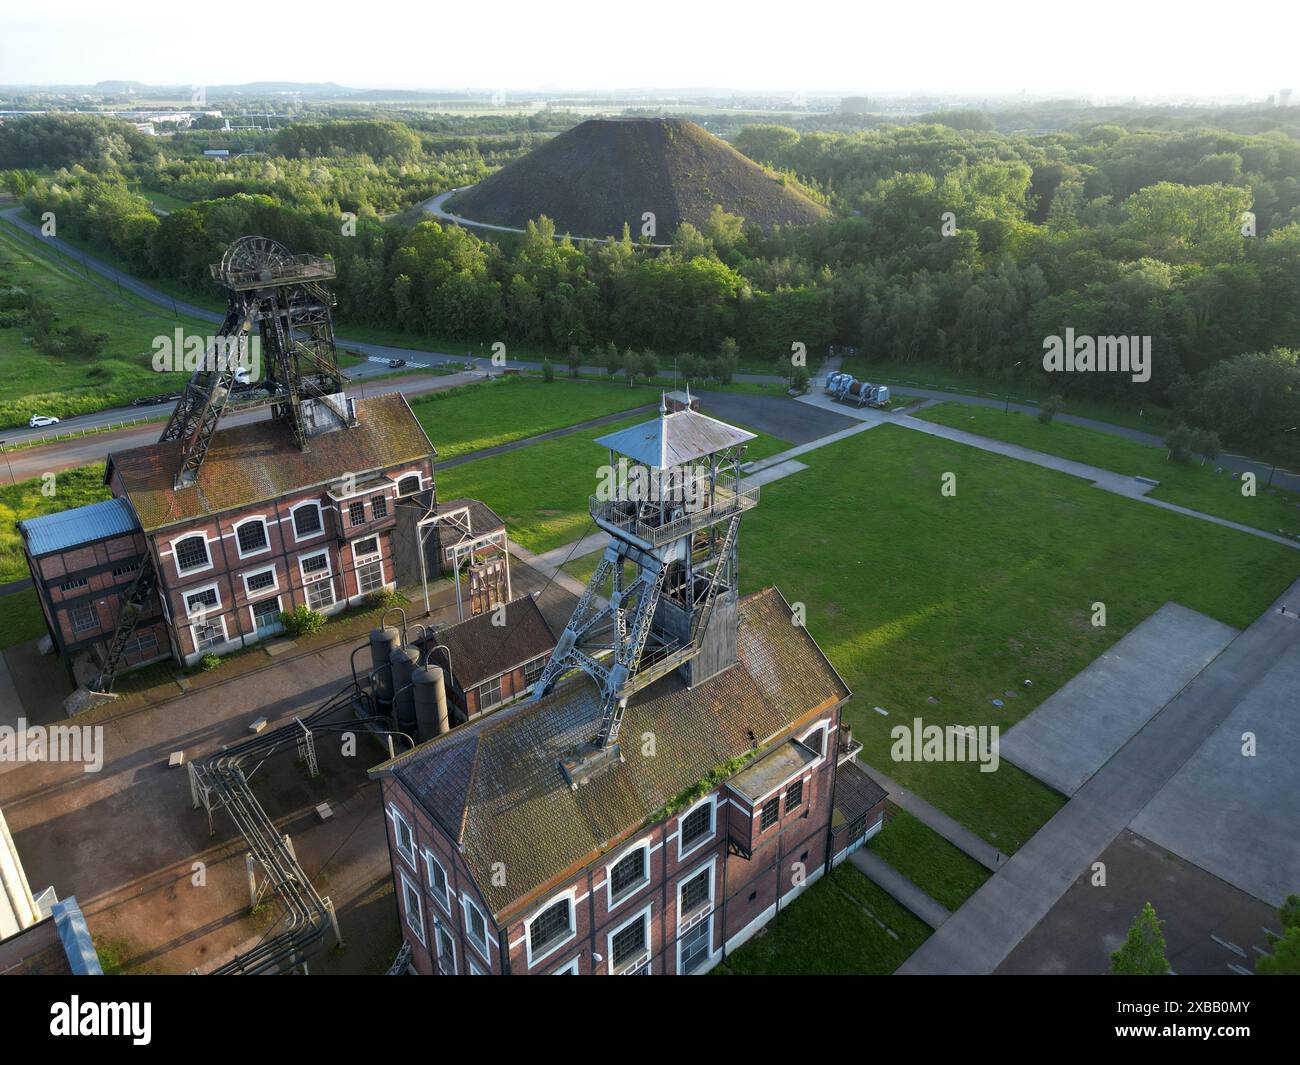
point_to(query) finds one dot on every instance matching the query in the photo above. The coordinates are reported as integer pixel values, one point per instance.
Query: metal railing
(621, 515)
(302, 267)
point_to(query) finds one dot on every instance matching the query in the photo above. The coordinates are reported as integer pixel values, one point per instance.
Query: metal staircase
(138, 596)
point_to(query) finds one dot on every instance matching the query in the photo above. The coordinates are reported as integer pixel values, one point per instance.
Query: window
(73, 585)
(475, 926)
(83, 618)
(697, 826)
(192, 554)
(489, 694)
(437, 879)
(403, 835)
(251, 537)
(122, 571)
(794, 796)
(266, 617)
(550, 928)
(533, 669)
(314, 565)
(200, 602)
(320, 595)
(144, 643)
(306, 520)
(209, 634)
(413, 907)
(771, 813)
(368, 546)
(569, 968)
(370, 577)
(261, 581)
(815, 740)
(627, 946)
(378, 507)
(695, 892)
(446, 948)
(694, 947)
(628, 874)
(408, 486)
(357, 513)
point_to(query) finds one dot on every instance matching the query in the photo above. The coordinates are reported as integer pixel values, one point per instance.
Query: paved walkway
(898, 887)
(1007, 907)
(958, 835)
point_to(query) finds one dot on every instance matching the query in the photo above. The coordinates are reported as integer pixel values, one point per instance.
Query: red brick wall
(795, 847)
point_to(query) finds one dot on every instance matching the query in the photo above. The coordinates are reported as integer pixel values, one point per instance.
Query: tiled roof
(81, 525)
(855, 793)
(482, 518)
(258, 461)
(495, 786)
(481, 650)
(674, 439)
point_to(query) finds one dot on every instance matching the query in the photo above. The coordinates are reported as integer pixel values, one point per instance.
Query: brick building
(265, 527)
(493, 657)
(660, 863)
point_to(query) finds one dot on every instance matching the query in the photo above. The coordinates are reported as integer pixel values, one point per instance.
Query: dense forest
(952, 242)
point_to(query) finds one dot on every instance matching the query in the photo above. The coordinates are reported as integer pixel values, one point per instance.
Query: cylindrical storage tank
(383, 642)
(430, 691)
(403, 661)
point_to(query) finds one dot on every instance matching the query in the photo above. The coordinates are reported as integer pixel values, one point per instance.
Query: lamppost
(1272, 469)
(1007, 409)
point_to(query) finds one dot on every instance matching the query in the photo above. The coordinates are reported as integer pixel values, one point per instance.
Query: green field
(915, 595)
(1194, 485)
(541, 491)
(20, 618)
(841, 925)
(506, 409)
(928, 860)
(71, 488)
(66, 385)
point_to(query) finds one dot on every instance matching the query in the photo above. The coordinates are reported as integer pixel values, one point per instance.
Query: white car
(39, 421)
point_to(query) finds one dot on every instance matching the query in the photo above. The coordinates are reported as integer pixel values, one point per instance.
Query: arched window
(192, 554)
(409, 485)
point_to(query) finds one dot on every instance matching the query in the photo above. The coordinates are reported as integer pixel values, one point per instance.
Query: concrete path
(1081, 725)
(1007, 907)
(957, 834)
(899, 888)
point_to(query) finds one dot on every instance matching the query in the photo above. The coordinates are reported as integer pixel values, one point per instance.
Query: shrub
(799, 379)
(210, 662)
(1050, 408)
(385, 597)
(548, 371)
(302, 621)
(1205, 442)
(575, 360)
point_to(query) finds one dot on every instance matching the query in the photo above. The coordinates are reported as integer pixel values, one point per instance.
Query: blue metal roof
(80, 525)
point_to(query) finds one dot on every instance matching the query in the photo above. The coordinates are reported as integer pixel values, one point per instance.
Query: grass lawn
(841, 925)
(1193, 485)
(541, 491)
(915, 595)
(478, 416)
(66, 385)
(928, 860)
(20, 618)
(72, 488)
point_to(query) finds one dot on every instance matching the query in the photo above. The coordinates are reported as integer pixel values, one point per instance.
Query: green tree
(1143, 952)
(1285, 959)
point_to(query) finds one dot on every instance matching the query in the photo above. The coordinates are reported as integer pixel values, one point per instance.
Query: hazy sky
(1109, 47)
